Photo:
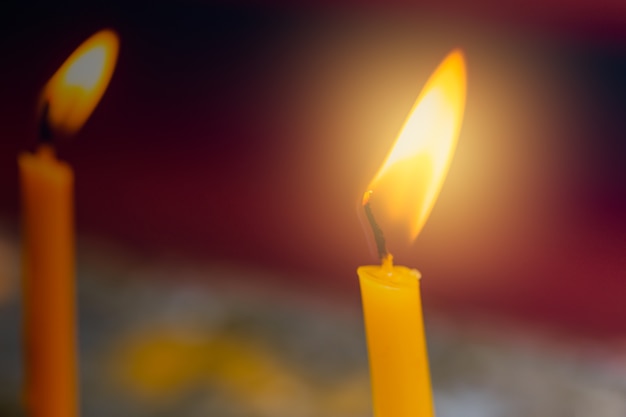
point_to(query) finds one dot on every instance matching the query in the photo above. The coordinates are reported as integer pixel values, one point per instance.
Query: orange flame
(408, 183)
(76, 88)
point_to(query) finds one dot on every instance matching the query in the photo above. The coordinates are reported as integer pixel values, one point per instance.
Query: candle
(405, 188)
(47, 208)
(49, 323)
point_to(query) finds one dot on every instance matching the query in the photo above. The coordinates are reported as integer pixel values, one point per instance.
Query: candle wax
(396, 344)
(48, 285)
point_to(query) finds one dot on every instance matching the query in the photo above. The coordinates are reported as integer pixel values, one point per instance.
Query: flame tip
(457, 51)
(455, 59)
(108, 33)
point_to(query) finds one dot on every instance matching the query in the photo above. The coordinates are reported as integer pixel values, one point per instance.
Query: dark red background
(246, 134)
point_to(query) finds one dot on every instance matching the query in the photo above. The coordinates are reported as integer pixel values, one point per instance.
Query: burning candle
(406, 187)
(47, 209)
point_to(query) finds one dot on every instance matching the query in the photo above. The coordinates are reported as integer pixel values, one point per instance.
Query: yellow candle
(407, 186)
(48, 285)
(392, 309)
(50, 360)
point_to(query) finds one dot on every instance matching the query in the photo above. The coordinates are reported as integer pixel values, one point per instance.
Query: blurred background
(217, 190)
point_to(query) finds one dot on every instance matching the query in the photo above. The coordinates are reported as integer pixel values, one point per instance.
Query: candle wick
(379, 237)
(45, 131)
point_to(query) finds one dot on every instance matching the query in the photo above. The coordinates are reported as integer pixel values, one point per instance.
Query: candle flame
(408, 182)
(75, 89)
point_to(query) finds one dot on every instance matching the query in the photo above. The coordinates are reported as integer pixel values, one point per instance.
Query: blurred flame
(75, 89)
(408, 183)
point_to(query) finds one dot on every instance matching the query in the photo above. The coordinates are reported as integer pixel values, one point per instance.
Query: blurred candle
(405, 188)
(51, 387)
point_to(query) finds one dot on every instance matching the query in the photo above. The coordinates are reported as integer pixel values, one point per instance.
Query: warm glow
(406, 186)
(76, 88)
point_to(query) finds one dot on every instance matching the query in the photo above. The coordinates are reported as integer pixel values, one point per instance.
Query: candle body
(48, 285)
(396, 344)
